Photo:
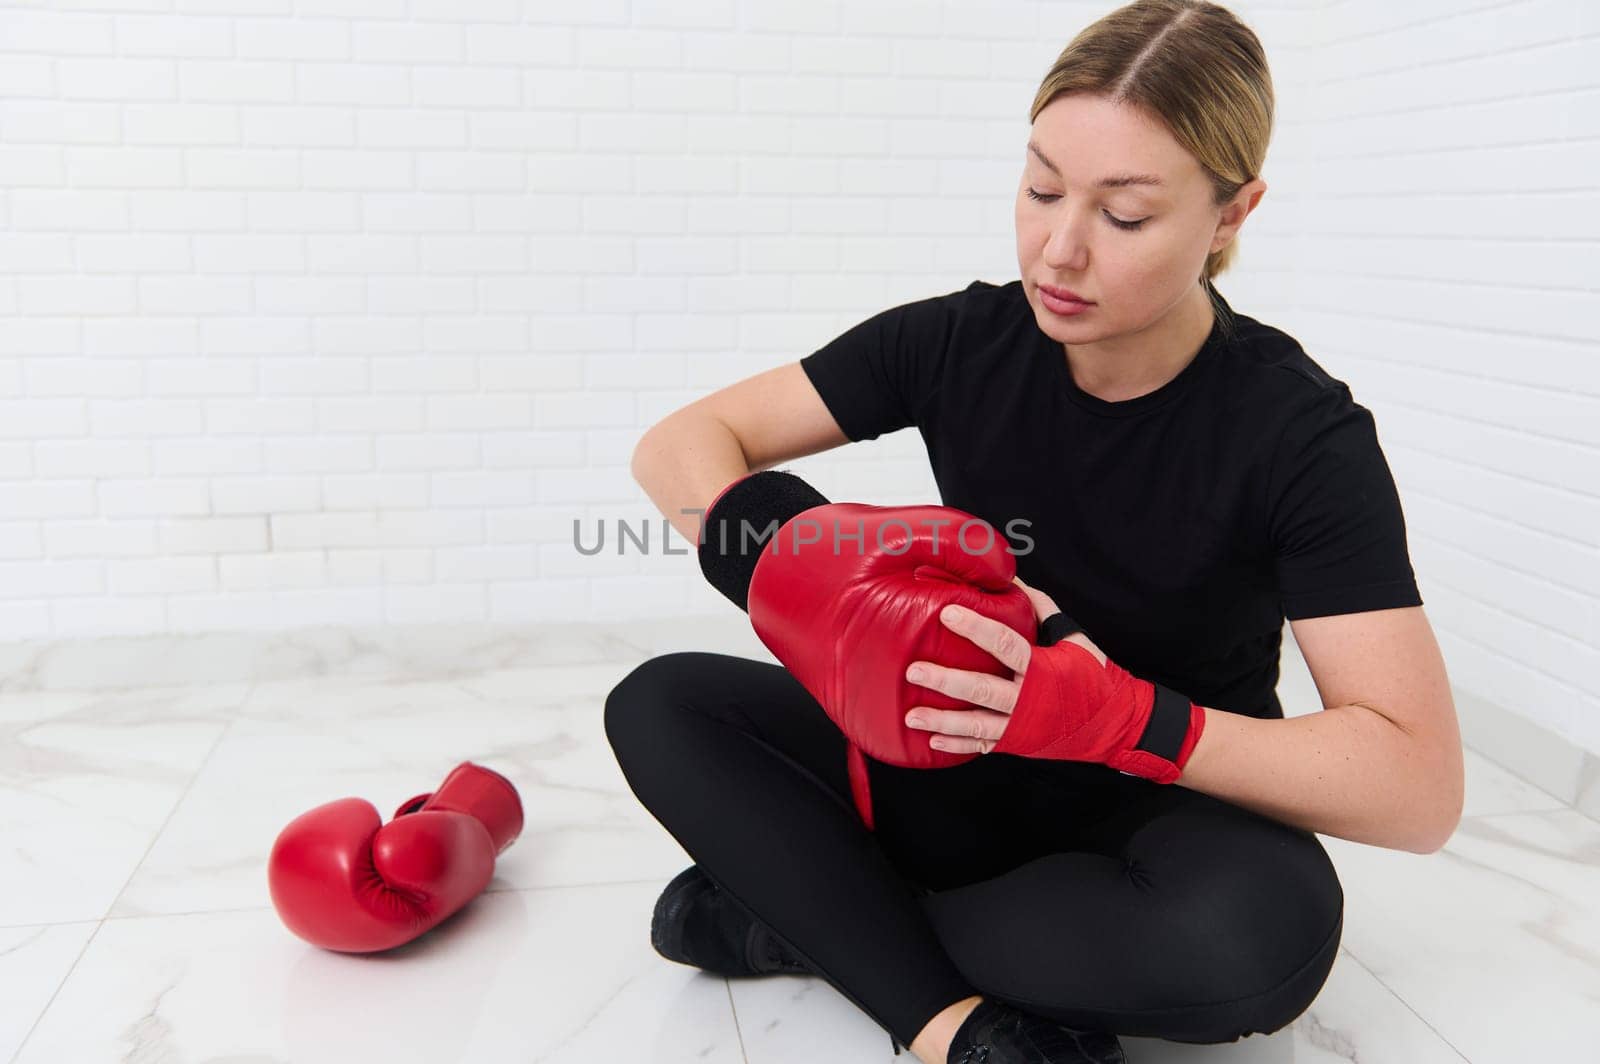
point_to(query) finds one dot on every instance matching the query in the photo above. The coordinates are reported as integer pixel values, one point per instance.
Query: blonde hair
(1193, 67)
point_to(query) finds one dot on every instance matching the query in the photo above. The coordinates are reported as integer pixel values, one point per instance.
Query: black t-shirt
(1179, 527)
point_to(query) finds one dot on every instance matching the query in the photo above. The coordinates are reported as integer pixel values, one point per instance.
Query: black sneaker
(696, 923)
(996, 1033)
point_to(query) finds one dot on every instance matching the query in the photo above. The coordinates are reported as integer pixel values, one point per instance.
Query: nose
(1063, 250)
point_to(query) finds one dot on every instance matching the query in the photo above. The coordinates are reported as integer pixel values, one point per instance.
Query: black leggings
(1067, 889)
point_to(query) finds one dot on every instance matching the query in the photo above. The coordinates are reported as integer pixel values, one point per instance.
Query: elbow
(1433, 842)
(1444, 796)
(1455, 797)
(641, 462)
(1443, 830)
(1450, 827)
(636, 463)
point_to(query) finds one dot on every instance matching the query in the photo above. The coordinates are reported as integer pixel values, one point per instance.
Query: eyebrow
(1112, 181)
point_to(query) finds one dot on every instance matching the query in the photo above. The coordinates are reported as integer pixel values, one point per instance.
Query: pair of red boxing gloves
(847, 596)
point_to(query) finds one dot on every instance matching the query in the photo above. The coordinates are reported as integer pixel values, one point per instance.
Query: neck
(1129, 365)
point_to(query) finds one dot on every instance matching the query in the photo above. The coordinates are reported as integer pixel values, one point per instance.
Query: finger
(958, 723)
(981, 689)
(1007, 645)
(978, 688)
(954, 745)
(925, 674)
(1044, 606)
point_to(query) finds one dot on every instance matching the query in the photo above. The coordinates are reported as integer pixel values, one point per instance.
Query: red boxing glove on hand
(1072, 708)
(848, 595)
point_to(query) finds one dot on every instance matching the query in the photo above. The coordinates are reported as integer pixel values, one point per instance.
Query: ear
(1235, 211)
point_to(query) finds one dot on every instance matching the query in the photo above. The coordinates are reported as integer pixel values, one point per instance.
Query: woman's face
(1133, 250)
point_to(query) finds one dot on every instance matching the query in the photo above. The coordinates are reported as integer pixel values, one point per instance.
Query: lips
(1063, 293)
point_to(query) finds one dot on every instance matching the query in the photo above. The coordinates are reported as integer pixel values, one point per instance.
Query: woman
(1187, 477)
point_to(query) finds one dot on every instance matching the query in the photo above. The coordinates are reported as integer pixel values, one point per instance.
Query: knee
(1277, 912)
(1270, 946)
(1262, 876)
(637, 698)
(643, 700)
(1273, 993)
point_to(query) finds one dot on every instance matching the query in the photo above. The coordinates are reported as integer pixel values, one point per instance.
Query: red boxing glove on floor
(341, 881)
(1072, 708)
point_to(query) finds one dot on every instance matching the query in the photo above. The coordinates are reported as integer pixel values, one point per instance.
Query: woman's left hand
(976, 731)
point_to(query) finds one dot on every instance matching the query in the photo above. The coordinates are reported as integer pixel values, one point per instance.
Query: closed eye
(1114, 220)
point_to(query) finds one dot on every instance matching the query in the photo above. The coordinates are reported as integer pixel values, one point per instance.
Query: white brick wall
(344, 311)
(1445, 262)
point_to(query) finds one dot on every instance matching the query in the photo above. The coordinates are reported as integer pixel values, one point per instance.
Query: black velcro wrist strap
(743, 520)
(1168, 725)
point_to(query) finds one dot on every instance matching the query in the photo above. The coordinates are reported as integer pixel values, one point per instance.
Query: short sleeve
(1338, 532)
(878, 376)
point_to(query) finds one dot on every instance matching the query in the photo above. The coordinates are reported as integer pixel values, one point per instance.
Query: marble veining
(141, 786)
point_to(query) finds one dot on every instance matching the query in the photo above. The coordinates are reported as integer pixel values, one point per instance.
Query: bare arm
(686, 458)
(1381, 764)
(682, 462)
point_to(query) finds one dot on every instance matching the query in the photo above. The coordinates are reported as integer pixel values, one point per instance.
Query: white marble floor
(137, 927)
